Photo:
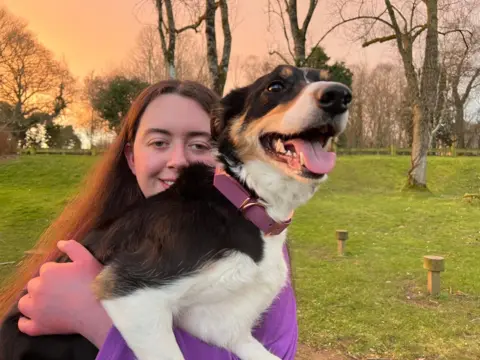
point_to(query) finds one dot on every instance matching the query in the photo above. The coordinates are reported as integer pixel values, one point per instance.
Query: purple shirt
(278, 332)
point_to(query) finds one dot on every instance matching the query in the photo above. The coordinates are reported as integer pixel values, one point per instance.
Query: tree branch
(308, 17)
(396, 28)
(379, 40)
(275, 52)
(412, 13)
(284, 28)
(470, 85)
(401, 15)
(345, 21)
(461, 31)
(197, 23)
(421, 29)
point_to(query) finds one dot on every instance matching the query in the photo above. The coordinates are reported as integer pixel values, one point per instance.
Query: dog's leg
(144, 317)
(249, 348)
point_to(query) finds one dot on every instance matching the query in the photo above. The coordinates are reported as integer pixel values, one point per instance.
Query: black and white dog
(206, 255)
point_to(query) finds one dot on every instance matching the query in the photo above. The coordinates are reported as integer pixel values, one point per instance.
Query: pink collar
(252, 209)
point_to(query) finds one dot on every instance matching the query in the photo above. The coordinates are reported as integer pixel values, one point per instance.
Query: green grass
(371, 303)
(374, 300)
(33, 191)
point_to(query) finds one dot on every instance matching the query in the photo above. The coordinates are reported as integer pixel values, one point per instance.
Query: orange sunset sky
(98, 34)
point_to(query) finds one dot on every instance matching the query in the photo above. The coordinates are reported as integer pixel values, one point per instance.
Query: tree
(218, 71)
(114, 96)
(168, 31)
(33, 82)
(463, 74)
(375, 118)
(297, 34)
(405, 24)
(61, 137)
(145, 60)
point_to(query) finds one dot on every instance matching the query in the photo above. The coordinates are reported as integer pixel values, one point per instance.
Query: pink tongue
(317, 160)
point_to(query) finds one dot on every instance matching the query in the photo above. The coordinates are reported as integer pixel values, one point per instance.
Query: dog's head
(287, 119)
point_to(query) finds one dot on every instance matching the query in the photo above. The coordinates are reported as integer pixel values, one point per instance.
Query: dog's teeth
(279, 146)
(289, 153)
(328, 144)
(302, 159)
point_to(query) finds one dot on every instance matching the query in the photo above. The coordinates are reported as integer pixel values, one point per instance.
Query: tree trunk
(218, 72)
(417, 175)
(424, 108)
(459, 125)
(168, 49)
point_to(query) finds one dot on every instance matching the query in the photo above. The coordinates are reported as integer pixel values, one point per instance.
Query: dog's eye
(275, 86)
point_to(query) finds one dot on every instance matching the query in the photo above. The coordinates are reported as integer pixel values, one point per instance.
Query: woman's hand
(60, 299)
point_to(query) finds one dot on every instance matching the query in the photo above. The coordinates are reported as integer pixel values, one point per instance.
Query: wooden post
(342, 236)
(435, 265)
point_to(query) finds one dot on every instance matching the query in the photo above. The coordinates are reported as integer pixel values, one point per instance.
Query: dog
(209, 250)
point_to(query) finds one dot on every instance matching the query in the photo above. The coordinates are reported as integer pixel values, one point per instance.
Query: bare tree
(463, 72)
(218, 70)
(10, 27)
(87, 118)
(405, 23)
(32, 80)
(295, 35)
(145, 61)
(375, 115)
(168, 31)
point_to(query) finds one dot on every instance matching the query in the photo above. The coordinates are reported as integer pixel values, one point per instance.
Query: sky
(98, 34)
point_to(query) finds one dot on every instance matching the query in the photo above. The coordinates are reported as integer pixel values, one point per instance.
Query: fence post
(393, 150)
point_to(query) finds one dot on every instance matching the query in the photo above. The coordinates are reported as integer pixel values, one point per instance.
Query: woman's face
(173, 131)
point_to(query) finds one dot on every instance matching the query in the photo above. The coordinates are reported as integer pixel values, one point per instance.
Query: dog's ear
(232, 105)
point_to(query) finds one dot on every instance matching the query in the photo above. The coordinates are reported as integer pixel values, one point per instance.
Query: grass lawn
(372, 303)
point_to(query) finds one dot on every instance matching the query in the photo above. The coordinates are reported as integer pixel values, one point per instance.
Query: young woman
(168, 126)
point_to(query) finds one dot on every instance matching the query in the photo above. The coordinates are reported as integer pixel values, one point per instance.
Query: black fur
(145, 247)
(158, 233)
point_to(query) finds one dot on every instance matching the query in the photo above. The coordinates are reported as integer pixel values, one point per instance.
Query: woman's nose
(178, 157)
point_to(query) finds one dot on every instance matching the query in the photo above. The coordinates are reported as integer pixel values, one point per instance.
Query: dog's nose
(334, 99)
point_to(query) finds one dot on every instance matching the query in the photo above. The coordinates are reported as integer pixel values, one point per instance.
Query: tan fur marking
(286, 72)
(104, 284)
(324, 74)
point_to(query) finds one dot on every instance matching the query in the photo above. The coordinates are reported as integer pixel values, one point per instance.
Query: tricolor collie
(206, 255)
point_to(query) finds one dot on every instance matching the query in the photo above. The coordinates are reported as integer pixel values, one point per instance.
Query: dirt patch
(305, 352)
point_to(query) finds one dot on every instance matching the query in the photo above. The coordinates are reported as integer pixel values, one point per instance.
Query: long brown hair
(109, 189)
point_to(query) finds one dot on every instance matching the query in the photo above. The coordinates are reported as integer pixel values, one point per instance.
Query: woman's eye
(200, 147)
(159, 143)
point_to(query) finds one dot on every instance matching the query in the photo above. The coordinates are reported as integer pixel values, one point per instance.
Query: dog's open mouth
(304, 152)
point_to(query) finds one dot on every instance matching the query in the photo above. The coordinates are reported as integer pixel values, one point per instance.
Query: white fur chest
(220, 305)
(237, 278)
